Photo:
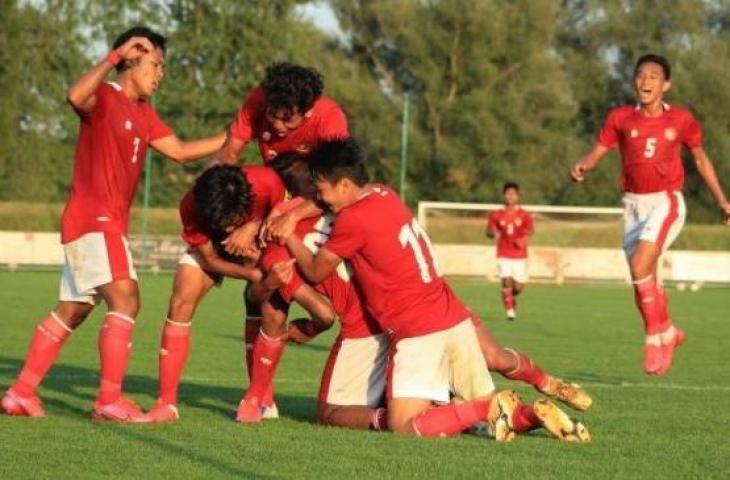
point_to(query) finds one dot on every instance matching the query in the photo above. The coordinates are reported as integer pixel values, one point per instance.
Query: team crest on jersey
(670, 134)
(518, 222)
(266, 136)
(128, 125)
(634, 133)
(502, 223)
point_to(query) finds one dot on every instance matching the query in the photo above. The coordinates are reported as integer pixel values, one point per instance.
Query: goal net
(581, 243)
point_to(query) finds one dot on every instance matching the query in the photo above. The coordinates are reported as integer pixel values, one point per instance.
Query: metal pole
(404, 144)
(146, 200)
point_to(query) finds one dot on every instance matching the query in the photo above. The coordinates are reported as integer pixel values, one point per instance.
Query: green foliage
(501, 90)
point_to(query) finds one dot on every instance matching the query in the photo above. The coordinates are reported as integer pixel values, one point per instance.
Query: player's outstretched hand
(578, 172)
(281, 228)
(134, 48)
(302, 330)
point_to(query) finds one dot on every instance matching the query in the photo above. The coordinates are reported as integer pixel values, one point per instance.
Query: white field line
(303, 381)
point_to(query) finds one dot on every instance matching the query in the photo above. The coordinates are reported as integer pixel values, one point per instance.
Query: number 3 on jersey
(409, 235)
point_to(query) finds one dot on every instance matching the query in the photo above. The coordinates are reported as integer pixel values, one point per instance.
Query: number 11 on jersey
(409, 235)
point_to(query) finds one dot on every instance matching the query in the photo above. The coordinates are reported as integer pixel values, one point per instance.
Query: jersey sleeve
(692, 132)
(158, 128)
(528, 222)
(347, 236)
(333, 125)
(268, 190)
(609, 135)
(193, 232)
(248, 115)
(492, 221)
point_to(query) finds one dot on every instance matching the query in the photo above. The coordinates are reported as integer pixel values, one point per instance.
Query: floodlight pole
(404, 144)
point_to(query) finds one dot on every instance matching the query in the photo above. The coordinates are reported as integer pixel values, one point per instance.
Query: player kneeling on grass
(433, 344)
(117, 125)
(349, 396)
(650, 136)
(511, 227)
(224, 198)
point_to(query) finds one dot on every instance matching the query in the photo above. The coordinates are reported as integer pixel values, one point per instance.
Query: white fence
(19, 249)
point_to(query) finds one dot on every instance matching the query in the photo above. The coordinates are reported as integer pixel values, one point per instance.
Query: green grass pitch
(670, 427)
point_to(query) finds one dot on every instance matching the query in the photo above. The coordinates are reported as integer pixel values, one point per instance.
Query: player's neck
(653, 109)
(128, 88)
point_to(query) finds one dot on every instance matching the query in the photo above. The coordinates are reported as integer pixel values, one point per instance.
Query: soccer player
(511, 227)
(650, 136)
(223, 198)
(433, 343)
(117, 123)
(287, 112)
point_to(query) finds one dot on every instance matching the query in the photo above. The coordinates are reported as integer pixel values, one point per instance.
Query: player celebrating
(511, 227)
(117, 125)
(650, 136)
(433, 343)
(287, 112)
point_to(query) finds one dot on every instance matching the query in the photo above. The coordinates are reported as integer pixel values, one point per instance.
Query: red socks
(115, 344)
(251, 329)
(174, 350)
(508, 298)
(447, 420)
(524, 419)
(652, 305)
(527, 371)
(266, 355)
(47, 340)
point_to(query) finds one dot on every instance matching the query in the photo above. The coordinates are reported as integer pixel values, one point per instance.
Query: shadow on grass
(79, 381)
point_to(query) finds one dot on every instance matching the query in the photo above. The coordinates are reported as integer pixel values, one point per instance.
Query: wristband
(113, 58)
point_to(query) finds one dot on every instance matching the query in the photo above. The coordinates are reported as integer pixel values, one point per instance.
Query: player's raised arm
(707, 171)
(81, 94)
(184, 152)
(588, 162)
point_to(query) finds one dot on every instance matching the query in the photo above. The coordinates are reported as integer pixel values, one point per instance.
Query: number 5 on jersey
(409, 235)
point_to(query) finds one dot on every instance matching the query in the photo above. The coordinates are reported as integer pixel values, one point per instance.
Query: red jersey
(355, 319)
(650, 147)
(394, 266)
(326, 122)
(511, 225)
(110, 154)
(266, 188)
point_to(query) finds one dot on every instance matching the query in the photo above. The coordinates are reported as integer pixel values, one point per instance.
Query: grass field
(670, 427)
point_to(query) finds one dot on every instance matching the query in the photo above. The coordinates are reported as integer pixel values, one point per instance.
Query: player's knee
(181, 308)
(517, 288)
(73, 314)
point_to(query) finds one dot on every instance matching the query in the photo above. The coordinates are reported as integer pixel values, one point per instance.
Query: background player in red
(433, 344)
(511, 227)
(117, 123)
(287, 112)
(650, 136)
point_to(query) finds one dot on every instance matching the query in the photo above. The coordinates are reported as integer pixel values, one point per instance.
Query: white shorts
(191, 258)
(431, 366)
(653, 217)
(355, 372)
(94, 259)
(513, 268)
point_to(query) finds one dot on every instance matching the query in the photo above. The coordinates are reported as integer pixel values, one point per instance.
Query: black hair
(289, 86)
(339, 159)
(156, 39)
(222, 196)
(510, 186)
(293, 170)
(653, 58)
